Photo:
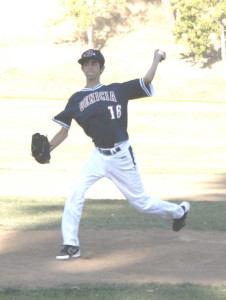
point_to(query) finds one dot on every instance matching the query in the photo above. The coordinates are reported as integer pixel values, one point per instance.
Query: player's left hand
(40, 148)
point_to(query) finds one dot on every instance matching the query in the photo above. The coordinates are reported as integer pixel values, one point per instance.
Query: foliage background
(40, 60)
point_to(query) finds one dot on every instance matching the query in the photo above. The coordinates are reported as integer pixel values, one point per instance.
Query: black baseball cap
(94, 54)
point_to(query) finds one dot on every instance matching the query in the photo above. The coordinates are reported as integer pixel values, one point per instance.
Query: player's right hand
(160, 55)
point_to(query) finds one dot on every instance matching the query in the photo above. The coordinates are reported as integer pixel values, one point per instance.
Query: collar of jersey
(93, 89)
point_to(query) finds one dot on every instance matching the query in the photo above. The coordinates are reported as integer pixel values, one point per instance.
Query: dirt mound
(28, 258)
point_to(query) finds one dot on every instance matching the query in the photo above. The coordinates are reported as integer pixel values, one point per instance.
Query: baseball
(163, 55)
(160, 52)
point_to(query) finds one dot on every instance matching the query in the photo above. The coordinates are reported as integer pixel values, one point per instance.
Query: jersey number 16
(115, 113)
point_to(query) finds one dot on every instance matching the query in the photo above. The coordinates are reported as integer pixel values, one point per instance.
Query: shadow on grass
(215, 190)
(207, 61)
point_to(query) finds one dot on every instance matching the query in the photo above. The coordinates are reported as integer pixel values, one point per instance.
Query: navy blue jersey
(102, 111)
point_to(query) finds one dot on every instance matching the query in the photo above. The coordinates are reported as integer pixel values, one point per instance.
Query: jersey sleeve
(65, 117)
(136, 89)
(148, 89)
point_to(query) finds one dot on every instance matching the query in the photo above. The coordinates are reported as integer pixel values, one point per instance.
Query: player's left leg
(125, 174)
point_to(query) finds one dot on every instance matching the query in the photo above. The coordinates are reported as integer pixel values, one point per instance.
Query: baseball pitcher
(101, 110)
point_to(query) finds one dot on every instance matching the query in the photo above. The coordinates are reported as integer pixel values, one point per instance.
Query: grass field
(45, 214)
(124, 292)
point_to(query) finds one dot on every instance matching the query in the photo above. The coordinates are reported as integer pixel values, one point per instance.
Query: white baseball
(160, 52)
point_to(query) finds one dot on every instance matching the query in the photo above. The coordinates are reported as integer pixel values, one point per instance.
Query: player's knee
(74, 207)
(76, 192)
(75, 200)
(141, 205)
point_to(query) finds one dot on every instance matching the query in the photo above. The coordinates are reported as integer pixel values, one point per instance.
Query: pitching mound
(28, 258)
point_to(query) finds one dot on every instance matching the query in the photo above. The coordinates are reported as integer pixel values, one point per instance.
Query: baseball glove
(40, 148)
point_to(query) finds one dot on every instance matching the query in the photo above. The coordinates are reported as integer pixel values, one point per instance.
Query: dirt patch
(28, 258)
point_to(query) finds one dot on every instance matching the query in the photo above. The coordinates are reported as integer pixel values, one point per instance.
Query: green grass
(121, 292)
(45, 214)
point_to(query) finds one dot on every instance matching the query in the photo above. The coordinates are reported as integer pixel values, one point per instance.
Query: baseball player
(101, 110)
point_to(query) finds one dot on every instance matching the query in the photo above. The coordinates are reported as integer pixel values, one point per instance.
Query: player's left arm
(58, 138)
(158, 57)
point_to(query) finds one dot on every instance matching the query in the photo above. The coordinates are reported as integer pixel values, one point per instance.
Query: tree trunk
(90, 29)
(223, 54)
(90, 37)
(168, 11)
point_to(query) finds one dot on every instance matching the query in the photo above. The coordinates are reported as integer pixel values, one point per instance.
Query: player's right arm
(58, 138)
(158, 57)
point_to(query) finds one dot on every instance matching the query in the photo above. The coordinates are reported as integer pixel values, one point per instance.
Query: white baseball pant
(121, 168)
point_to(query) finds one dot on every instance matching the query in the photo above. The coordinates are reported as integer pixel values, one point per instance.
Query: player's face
(92, 69)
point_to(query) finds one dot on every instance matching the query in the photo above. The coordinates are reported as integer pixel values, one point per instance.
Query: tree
(197, 22)
(84, 12)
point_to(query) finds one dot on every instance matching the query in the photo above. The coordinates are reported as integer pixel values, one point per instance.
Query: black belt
(109, 152)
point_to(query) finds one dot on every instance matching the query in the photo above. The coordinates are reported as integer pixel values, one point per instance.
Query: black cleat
(69, 252)
(180, 223)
